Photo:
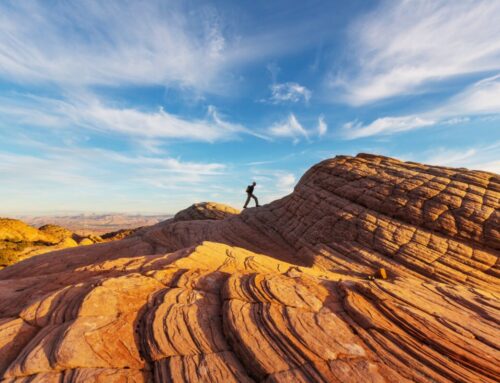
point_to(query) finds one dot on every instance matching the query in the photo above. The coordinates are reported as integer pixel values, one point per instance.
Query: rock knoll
(19, 241)
(279, 293)
(205, 210)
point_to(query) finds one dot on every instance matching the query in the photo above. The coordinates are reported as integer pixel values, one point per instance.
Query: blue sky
(147, 107)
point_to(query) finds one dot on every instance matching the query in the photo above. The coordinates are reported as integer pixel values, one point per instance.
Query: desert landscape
(94, 224)
(371, 270)
(19, 241)
(227, 191)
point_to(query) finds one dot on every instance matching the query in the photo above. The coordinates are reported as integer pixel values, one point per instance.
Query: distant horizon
(69, 213)
(151, 106)
(7, 214)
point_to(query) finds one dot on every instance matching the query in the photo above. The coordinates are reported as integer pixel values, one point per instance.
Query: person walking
(250, 195)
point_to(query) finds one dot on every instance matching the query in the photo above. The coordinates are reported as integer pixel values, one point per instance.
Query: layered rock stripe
(279, 293)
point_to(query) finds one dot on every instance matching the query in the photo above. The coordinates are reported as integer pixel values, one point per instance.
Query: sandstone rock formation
(206, 210)
(19, 241)
(56, 232)
(279, 293)
(16, 231)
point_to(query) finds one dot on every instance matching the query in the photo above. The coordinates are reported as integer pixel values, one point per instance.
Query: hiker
(250, 195)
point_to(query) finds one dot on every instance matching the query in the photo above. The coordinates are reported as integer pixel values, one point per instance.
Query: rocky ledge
(281, 293)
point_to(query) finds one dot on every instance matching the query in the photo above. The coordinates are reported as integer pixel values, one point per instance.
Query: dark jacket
(250, 189)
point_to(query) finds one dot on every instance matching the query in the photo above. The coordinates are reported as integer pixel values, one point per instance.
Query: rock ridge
(277, 294)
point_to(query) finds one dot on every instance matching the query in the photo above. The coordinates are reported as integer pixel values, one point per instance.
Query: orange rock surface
(287, 292)
(206, 210)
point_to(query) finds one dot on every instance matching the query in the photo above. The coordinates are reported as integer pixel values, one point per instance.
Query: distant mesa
(85, 224)
(372, 270)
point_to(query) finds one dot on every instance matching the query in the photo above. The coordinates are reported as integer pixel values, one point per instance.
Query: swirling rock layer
(279, 293)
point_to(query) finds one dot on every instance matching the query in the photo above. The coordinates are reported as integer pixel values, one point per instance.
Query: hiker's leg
(248, 200)
(256, 200)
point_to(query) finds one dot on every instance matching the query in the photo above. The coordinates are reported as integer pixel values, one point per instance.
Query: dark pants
(250, 195)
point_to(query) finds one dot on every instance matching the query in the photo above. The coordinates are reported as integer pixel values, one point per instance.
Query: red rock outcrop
(20, 241)
(280, 293)
(206, 210)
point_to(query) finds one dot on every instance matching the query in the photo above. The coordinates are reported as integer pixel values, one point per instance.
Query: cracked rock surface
(278, 293)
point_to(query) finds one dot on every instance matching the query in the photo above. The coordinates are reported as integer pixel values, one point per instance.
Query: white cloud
(113, 43)
(286, 181)
(290, 128)
(322, 126)
(156, 124)
(76, 165)
(162, 164)
(478, 158)
(403, 46)
(450, 157)
(455, 121)
(273, 69)
(481, 98)
(289, 92)
(385, 125)
(90, 113)
(102, 180)
(109, 43)
(18, 170)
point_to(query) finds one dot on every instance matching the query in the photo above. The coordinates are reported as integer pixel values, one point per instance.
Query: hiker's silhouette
(250, 195)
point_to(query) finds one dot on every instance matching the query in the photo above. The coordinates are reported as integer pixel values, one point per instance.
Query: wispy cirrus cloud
(114, 43)
(88, 112)
(484, 157)
(286, 181)
(289, 92)
(67, 175)
(322, 126)
(385, 126)
(109, 43)
(403, 46)
(285, 92)
(76, 165)
(481, 98)
(291, 128)
(21, 170)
